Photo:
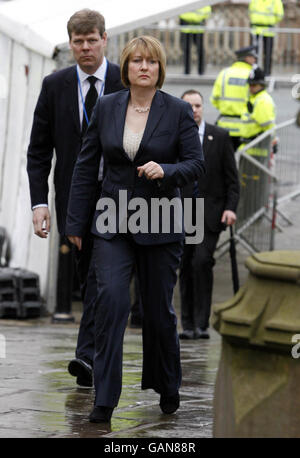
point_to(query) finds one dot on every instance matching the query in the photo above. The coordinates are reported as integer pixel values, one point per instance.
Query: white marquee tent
(30, 30)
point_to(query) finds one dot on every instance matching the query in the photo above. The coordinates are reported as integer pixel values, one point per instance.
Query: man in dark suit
(220, 190)
(60, 119)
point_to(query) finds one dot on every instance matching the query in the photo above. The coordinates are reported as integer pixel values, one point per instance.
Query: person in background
(60, 120)
(259, 112)
(263, 15)
(191, 35)
(258, 116)
(220, 190)
(231, 90)
(151, 148)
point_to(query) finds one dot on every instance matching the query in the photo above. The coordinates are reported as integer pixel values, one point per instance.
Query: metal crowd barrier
(269, 172)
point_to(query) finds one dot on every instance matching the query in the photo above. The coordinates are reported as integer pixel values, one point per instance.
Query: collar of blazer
(157, 109)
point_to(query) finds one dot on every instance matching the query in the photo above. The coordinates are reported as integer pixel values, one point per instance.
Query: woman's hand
(151, 170)
(77, 241)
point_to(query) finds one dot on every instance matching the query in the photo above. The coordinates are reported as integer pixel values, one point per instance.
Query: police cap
(257, 76)
(247, 51)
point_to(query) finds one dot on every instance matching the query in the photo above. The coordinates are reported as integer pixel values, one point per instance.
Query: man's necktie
(90, 100)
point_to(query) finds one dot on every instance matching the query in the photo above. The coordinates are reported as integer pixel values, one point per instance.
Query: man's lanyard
(81, 95)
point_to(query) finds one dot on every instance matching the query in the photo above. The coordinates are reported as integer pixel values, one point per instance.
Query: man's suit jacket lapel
(208, 141)
(208, 150)
(71, 94)
(112, 79)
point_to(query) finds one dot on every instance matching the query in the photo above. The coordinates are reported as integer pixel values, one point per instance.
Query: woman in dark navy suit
(151, 147)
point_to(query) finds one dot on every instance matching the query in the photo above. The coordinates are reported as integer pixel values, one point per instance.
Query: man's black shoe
(169, 404)
(82, 370)
(101, 414)
(201, 333)
(84, 382)
(186, 334)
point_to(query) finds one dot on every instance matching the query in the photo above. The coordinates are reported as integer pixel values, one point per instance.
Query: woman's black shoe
(101, 414)
(169, 404)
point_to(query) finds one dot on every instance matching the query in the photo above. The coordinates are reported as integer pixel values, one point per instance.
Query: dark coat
(220, 185)
(56, 126)
(170, 139)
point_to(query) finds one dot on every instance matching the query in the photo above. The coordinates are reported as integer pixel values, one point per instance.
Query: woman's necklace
(140, 109)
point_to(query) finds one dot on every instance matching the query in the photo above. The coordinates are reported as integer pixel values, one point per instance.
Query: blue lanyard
(81, 95)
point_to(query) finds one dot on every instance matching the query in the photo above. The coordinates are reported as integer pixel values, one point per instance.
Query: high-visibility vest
(261, 119)
(264, 14)
(195, 17)
(229, 95)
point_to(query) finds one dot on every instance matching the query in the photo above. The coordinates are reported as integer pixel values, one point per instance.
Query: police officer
(198, 18)
(265, 14)
(231, 90)
(259, 114)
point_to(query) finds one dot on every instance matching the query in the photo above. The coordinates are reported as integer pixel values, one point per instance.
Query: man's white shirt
(85, 85)
(201, 131)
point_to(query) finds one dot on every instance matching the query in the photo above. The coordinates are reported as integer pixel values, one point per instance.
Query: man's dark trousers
(88, 288)
(220, 190)
(196, 281)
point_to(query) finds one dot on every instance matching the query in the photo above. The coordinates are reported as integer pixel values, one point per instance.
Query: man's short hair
(147, 45)
(85, 21)
(191, 92)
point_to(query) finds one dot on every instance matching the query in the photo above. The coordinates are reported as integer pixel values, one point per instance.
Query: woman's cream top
(131, 141)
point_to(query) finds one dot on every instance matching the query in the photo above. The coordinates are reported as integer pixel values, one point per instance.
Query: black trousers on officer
(196, 282)
(188, 39)
(268, 50)
(156, 266)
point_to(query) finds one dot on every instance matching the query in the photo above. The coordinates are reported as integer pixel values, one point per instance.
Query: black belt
(262, 25)
(183, 22)
(228, 116)
(248, 139)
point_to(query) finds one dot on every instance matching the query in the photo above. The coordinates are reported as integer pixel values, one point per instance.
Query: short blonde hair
(148, 46)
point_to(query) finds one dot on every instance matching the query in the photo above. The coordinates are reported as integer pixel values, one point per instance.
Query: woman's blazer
(170, 138)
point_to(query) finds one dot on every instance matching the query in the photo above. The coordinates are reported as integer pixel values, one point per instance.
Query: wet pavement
(38, 398)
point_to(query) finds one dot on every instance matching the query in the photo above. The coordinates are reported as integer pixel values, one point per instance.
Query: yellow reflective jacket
(263, 116)
(264, 14)
(229, 95)
(261, 119)
(196, 18)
